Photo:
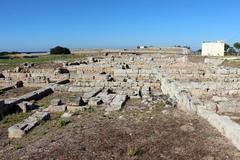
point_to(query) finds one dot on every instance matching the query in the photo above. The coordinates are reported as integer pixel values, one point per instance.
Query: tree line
(232, 50)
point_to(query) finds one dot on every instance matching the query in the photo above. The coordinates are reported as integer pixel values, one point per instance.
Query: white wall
(213, 49)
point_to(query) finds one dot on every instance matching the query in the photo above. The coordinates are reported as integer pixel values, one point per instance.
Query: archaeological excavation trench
(111, 82)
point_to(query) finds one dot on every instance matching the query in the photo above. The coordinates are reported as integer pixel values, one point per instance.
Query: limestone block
(106, 98)
(56, 102)
(20, 129)
(95, 101)
(73, 109)
(76, 101)
(117, 103)
(57, 108)
(26, 106)
(224, 125)
(92, 93)
(66, 115)
(61, 88)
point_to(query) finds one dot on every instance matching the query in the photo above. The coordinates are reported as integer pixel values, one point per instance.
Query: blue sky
(32, 25)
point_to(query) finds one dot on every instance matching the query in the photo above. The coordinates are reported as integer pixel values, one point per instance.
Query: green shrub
(60, 50)
(62, 122)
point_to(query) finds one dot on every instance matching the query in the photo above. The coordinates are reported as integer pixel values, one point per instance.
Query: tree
(237, 46)
(60, 50)
(226, 47)
(231, 52)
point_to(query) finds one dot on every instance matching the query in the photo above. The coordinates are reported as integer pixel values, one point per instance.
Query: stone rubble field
(146, 106)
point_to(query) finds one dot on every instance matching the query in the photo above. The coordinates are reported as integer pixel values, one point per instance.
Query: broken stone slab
(106, 97)
(73, 109)
(66, 115)
(76, 101)
(95, 101)
(56, 102)
(57, 108)
(38, 94)
(92, 93)
(27, 106)
(20, 129)
(117, 103)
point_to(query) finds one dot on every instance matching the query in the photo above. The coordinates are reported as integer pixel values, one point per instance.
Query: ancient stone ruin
(202, 88)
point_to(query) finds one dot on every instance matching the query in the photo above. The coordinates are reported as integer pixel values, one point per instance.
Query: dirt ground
(46, 101)
(196, 58)
(231, 63)
(128, 134)
(17, 92)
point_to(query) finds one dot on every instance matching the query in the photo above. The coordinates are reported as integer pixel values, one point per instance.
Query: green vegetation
(8, 53)
(14, 118)
(60, 50)
(62, 122)
(131, 151)
(226, 47)
(17, 146)
(237, 46)
(41, 104)
(42, 59)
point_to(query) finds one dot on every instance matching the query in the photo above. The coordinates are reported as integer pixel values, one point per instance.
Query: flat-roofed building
(213, 48)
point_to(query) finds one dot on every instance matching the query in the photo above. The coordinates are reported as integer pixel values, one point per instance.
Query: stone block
(56, 102)
(76, 101)
(27, 106)
(73, 109)
(92, 93)
(57, 108)
(20, 129)
(95, 101)
(117, 103)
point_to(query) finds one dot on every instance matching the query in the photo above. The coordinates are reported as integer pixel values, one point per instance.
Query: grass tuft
(131, 151)
(17, 146)
(62, 122)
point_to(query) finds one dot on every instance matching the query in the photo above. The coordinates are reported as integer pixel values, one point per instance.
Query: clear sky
(32, 25)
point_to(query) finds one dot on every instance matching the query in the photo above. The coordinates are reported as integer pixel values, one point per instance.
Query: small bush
(60, 50)
(131, 151)
(17, 146)
(62, 122)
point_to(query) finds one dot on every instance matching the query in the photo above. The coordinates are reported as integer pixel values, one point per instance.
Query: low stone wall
(10, 105)
(193, 105)
(224, 125)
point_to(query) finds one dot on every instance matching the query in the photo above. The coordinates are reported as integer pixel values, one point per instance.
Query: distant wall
(162, 50)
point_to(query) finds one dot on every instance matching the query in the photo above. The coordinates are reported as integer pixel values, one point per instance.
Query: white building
(213, 48)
